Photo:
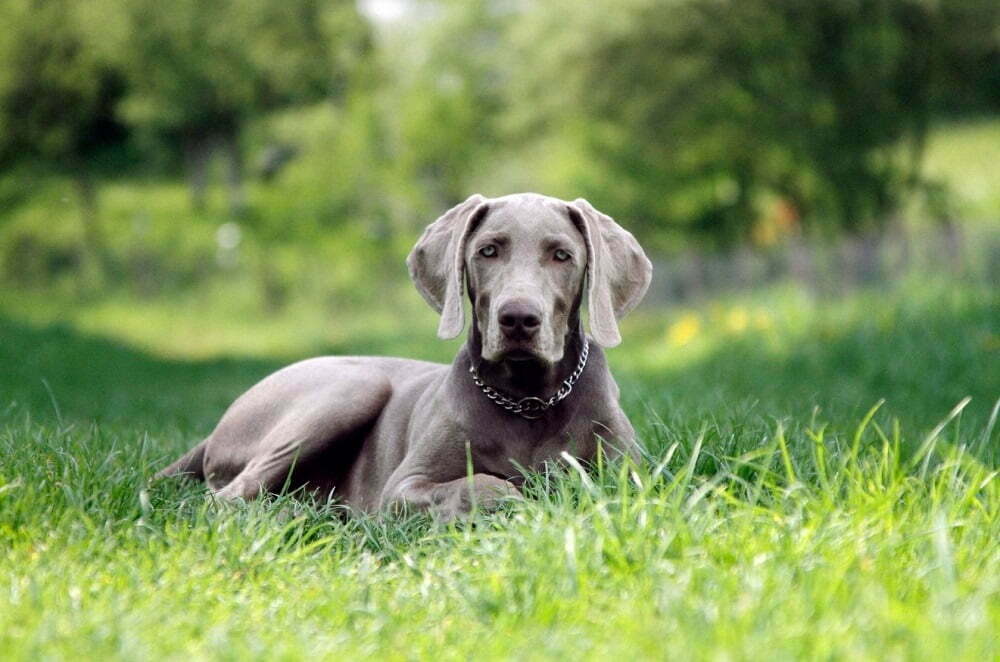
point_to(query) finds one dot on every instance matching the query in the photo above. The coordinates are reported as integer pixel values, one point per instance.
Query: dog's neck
(521, 379)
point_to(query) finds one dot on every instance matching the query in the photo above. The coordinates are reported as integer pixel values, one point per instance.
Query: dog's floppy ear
(618, 271)
(437, 262)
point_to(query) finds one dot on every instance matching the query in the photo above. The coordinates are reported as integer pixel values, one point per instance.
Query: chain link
(532, 407)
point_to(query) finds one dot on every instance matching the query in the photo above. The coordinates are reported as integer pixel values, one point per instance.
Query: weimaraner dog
(527, 385)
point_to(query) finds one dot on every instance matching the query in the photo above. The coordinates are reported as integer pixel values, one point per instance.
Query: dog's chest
(508, 452)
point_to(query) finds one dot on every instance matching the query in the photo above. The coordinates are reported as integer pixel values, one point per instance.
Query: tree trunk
(743, 213)
(869, 263)
(198, 155)
(230, 143)
(952, 236)
(95, 247)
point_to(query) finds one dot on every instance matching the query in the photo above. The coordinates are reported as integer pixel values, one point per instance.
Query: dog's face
(526, 258)
(525, 262)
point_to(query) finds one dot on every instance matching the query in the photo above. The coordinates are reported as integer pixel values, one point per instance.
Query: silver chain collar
(532, 407)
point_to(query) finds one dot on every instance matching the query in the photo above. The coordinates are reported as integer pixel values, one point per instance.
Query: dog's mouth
(520, 354)
(525, 356)
(517, 356)
(521, 349)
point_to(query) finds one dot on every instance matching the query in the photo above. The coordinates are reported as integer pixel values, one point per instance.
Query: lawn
(817, 485)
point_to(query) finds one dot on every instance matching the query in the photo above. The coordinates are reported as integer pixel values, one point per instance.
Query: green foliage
(451, 91)
(700, 111)
(58, 96)
(200, 66)
(58, 89)
(967, 64)
(695, 122)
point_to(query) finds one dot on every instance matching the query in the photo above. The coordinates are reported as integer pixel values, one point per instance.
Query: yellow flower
(737, 320)
(683, 330)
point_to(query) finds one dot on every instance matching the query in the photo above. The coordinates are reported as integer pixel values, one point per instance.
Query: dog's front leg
(450, 499)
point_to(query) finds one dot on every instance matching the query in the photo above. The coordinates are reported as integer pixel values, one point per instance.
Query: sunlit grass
(964, 157)
(845, 547)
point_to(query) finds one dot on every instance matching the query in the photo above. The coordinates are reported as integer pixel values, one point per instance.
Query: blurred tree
(836, 87)
(967, 64)
(449, 95)
(198, 69)
(696, 111)
(58, 91)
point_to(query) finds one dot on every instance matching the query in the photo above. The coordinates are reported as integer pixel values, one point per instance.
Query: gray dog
(527, 386)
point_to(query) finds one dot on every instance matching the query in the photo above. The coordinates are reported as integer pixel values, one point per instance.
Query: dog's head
(526, 258)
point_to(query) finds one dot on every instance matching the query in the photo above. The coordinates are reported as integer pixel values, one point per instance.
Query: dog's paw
(480, 493)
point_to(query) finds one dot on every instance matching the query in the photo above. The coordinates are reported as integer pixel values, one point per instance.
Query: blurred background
(204, 178)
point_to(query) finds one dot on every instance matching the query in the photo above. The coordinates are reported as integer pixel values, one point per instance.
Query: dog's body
(380, 431)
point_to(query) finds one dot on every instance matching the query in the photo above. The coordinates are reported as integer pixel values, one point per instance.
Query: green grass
(963, 157)
(782, 512)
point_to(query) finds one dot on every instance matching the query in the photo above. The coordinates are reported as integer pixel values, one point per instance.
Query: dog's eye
(489, 250)
(560, 255)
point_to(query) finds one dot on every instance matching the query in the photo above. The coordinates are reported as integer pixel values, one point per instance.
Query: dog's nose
(519, 320)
